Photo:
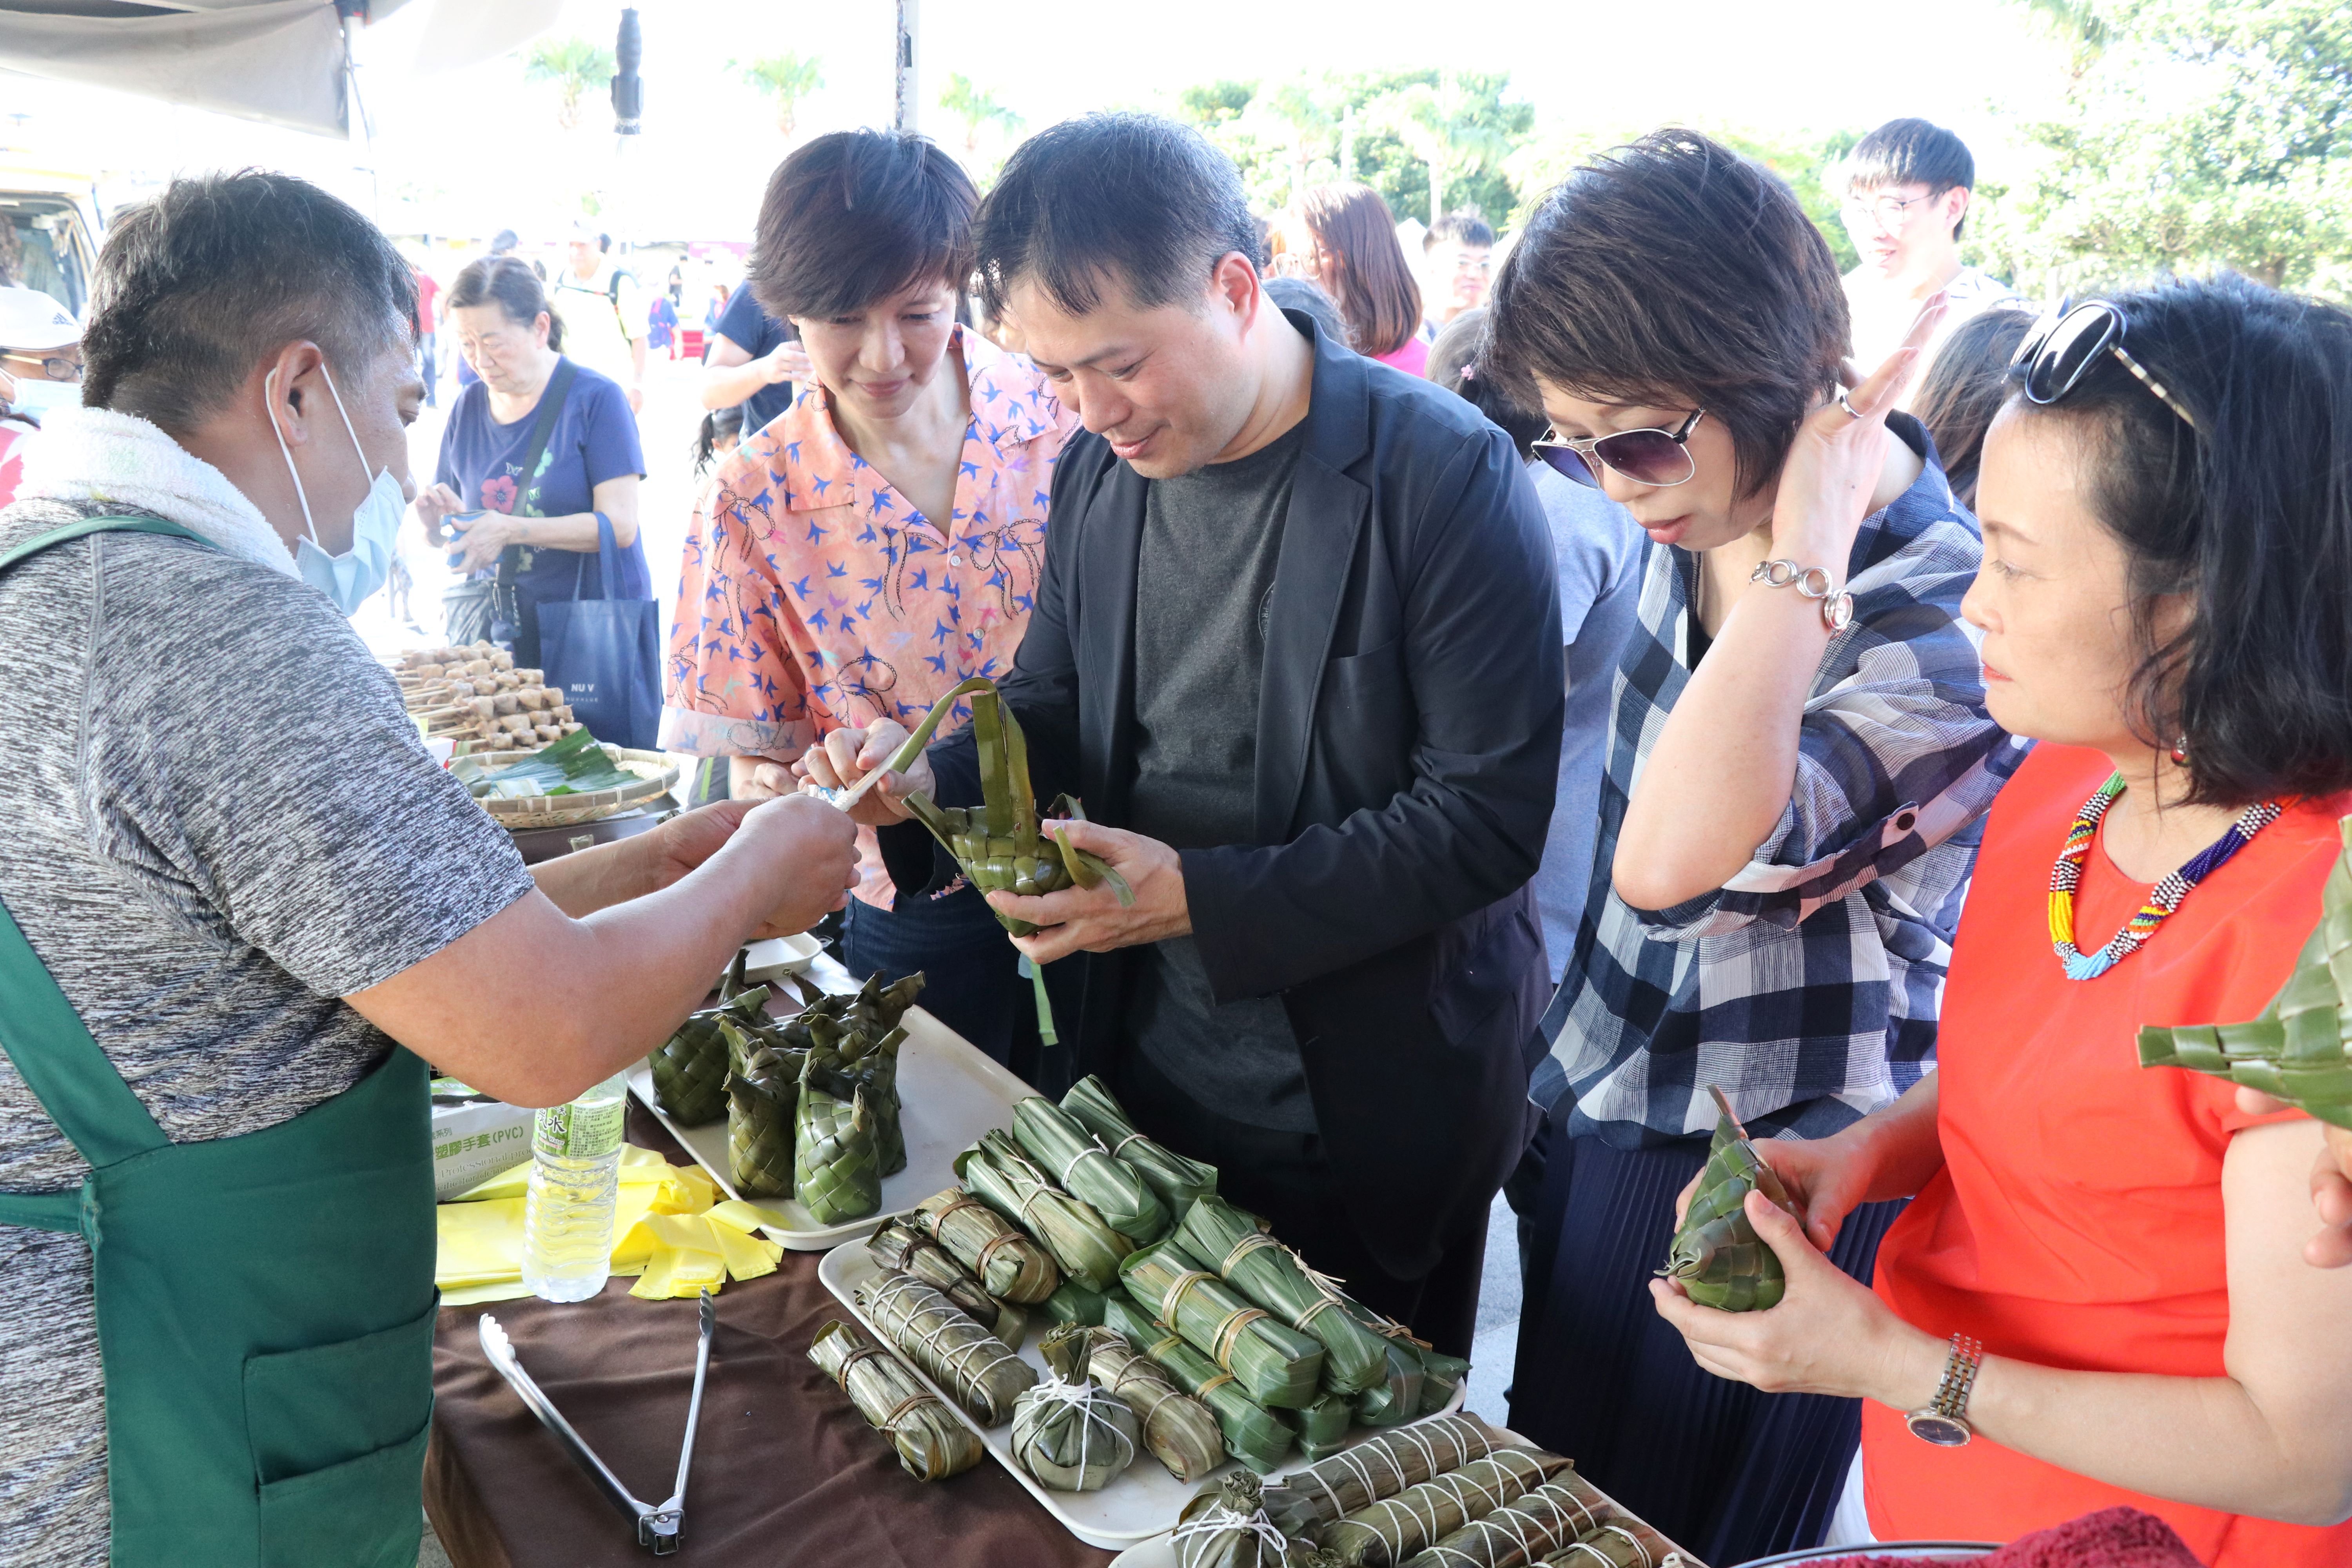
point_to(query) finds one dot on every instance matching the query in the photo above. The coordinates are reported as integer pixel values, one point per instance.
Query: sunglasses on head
(1646, 457)
(2063, 345)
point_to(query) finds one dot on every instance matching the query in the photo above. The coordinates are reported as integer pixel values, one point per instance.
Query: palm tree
(1440, 126)
(978, 108)
(574, 65)
(785, 79)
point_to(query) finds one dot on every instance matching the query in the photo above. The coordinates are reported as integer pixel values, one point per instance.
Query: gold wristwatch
(1945, 1421)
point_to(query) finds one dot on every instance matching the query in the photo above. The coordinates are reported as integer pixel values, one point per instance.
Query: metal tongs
(658, 1527)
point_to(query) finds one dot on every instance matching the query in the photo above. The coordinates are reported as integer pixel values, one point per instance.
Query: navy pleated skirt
(1730, 1473)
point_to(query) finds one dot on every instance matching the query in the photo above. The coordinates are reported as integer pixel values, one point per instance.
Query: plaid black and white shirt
(1807, 988)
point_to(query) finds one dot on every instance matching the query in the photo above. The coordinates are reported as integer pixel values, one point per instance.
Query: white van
(49, 231)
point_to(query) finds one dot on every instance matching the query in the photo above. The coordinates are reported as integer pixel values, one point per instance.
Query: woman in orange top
(2168, 554)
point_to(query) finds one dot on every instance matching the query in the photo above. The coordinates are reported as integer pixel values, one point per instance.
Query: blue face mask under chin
(348, 579)
(40, 397)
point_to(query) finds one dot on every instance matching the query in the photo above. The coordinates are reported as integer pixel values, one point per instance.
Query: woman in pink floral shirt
(880, 540)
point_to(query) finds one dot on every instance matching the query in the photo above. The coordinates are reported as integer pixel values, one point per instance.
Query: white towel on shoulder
(122, 460)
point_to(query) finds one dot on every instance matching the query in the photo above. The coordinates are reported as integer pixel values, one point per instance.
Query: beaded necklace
(2162, 899)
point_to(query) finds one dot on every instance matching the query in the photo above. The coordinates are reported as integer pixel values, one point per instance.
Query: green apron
(265, 1302)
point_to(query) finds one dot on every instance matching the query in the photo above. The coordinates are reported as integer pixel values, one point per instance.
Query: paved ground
(1496, 1350)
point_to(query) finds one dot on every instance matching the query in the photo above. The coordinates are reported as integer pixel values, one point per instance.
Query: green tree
(1215, 103)
(979, 111)
(783, 81)
(575, 65)
(2194, 135)
(1458, 128)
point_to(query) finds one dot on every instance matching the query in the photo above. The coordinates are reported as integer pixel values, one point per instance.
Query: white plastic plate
(1160, 1551)
(1141, 1503)
(770, 961)
(950, 1093)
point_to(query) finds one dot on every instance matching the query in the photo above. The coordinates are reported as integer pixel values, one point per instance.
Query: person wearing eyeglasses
(1798, 752)
(1908, 186)
(2101, 1293)
(40, 370)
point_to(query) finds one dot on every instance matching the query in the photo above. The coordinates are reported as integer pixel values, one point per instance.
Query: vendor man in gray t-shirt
(1297, 648)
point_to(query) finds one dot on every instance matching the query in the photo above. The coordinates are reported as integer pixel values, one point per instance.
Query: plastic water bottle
(575, 1175)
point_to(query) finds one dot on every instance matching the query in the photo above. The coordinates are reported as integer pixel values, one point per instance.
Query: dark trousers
(1285, 1178)
(969, 981)
(1728, 1472)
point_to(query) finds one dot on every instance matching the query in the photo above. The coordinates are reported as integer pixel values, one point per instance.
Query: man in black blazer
(1297, 648)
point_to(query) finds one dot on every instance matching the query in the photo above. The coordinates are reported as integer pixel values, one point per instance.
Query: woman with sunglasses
(2100, 1294)
(1798, 746)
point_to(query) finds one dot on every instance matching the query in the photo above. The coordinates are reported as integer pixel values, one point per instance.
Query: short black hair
(1305, 296)
(2249, 515)
(196, 286)
(1673, 273)
(1128, 197)
(1911, 153)
(1454, 364)
(857, 216)
(1467, 225)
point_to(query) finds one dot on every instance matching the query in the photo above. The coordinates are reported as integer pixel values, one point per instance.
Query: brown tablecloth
(785, 1470)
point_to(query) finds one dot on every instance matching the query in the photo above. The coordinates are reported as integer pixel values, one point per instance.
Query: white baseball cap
(32, 320)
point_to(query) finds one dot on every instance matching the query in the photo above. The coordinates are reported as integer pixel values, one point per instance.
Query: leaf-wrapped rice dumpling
(690, 1067)
(900, 1245)
(1621, 1544)
(932, 1443)
(1074, 1437)
(999, 844)
(1238, 1245)
(1074, 1303)
(1305, 1499)
(1255, 1435)
(995, 1171)
(1524, 1530)
(761, 1107)
(1009, 1264)
(1114, 1190)
(975, 1366)
(1224, 1526)
(1181, 1431)
(1274, 1364)
(836, 1170)
(1324, 1425)
(1176, 1179)
(1389, 1532)
(1716, 1253)
(2299, 1048)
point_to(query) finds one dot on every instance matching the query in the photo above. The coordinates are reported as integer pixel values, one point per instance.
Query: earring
(2181, 751)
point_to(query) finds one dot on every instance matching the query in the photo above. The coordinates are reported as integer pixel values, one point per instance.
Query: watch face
(1944, 1431)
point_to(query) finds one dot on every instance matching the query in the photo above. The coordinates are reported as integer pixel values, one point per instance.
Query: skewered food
(1176, 1179)
(1224, 1526)
(1716, 1253)
(1255, 1435)
(1382, 1467)
(998, 844)
(973, 1365)
(836, 1169)
(1238, 1245)
(1113, 1189)
(995, 1171)
(2299, 1048)
(760, 1106)
(1274, 1364)
(1181, 1431)
(1564, 1509)
(932, 1443)
(901, 1246)
(1391, 1530)
(1009, 1265)
(475, 694)
(1074, 1437)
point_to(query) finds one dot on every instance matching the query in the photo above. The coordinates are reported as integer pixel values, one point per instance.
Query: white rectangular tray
(1160, 1551)
(769, 960)
(1141, 1503)
(950, 1093)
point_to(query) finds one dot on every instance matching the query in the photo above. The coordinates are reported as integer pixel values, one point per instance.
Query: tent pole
(909, 30)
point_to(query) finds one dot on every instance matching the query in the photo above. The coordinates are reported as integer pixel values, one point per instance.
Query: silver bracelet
(1812, 582)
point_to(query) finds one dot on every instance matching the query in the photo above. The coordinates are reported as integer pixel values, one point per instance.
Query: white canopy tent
(286, 62)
